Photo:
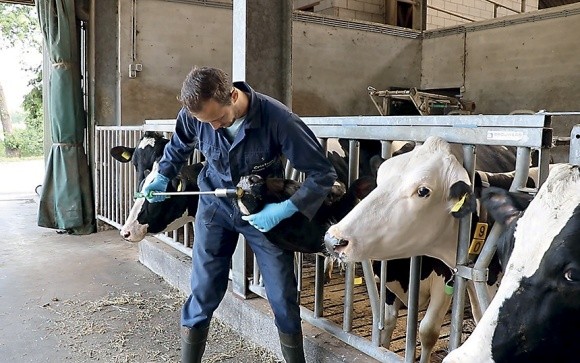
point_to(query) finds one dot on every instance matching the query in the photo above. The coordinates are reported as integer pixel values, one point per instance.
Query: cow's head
(534, 316)
(260, 191)
(149, 150)
(167, 215)
(414, 209)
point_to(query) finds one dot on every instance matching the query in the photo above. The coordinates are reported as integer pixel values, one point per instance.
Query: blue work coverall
(269, 130)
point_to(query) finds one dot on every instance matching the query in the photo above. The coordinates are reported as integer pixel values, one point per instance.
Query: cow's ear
(463, 198)
(504, 206)
(405, 149)
(480, 182)
(363, 186)
(375, 163)
(122, 153)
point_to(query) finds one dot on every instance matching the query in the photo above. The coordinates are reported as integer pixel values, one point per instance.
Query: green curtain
(66, 202)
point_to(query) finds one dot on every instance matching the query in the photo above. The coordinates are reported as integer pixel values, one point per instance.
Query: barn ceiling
(23, 2)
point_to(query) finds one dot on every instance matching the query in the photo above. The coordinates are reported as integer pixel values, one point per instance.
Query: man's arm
(301, 147)
(179, 148)
(175, 154)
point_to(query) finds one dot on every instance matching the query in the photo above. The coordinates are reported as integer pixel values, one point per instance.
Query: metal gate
(115, 186)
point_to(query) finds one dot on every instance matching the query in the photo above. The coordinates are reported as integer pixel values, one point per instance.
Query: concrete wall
(522, 62)
(103, 59)
(170, 38)
(333, 66)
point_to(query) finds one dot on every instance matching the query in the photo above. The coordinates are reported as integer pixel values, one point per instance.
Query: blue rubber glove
(159, 184)
(271, 215)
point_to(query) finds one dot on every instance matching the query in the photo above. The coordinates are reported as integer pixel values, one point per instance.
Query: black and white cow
(298, 233)
(535, 315)
(168, 215)
(149, 150)
(172, 213)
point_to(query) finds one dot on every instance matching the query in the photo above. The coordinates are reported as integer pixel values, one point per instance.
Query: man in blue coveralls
(240, 132)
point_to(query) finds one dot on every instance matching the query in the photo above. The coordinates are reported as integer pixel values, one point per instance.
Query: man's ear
(463, 198)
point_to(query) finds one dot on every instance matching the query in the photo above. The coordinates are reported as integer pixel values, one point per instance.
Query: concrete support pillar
(262, 46)
(262, 56)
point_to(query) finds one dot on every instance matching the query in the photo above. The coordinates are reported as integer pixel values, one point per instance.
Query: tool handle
(147, 195)
(227, 193)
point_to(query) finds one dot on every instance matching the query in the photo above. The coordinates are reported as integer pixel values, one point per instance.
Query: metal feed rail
(522, 131)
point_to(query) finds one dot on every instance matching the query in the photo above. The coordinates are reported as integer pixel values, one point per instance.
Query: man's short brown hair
(203, 84)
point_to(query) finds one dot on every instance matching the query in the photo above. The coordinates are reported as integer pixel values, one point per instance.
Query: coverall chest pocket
(213, 156)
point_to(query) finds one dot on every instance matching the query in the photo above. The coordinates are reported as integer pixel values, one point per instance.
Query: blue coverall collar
(253, 119)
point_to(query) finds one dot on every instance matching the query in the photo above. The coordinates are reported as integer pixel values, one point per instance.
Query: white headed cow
(151, 218)
(415, 210)
(535, 315)
(422, 185)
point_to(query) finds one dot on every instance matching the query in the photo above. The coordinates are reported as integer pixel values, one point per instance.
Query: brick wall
(475, 10)
(367, 10)
(439, 12)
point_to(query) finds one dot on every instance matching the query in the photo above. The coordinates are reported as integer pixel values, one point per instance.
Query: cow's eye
(423, 192)
(572, 275)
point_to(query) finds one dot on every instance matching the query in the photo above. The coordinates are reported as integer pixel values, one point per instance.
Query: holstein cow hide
(535, 315)
(172, 213)
(149, 150)
(298, 233)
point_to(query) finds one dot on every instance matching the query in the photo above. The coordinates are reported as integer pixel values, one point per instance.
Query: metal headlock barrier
(115, 187)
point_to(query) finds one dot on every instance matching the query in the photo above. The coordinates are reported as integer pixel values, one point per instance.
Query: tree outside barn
(22, 125)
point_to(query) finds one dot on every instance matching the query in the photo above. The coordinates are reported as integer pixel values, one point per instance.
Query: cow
(149, 150)
(145, 217)
(411, 212)
(415, 210)
(172, 213)
(534, 316)
(151, 218)
(298, 233)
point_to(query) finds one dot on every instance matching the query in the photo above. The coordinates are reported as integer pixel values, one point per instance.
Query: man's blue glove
(271, 215)
(159, 184)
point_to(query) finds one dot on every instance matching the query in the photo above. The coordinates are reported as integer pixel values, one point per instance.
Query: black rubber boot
(292, 347)
(193, 344)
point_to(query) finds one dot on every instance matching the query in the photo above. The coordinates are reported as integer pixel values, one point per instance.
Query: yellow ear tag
(179, 186)
(358, 280)
(126, 155)
(459, 204)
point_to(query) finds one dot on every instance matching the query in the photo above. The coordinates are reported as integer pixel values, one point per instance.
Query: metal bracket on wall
(134, 68)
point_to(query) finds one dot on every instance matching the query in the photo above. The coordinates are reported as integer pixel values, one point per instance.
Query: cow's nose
(331, 242)
(126, 234)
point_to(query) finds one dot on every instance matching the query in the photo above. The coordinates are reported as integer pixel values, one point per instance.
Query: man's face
(216, 114)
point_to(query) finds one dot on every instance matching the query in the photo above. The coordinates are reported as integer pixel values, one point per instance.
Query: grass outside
(4, 158)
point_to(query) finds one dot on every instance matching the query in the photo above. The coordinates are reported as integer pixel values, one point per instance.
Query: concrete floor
(88, 298)
(39, 267)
